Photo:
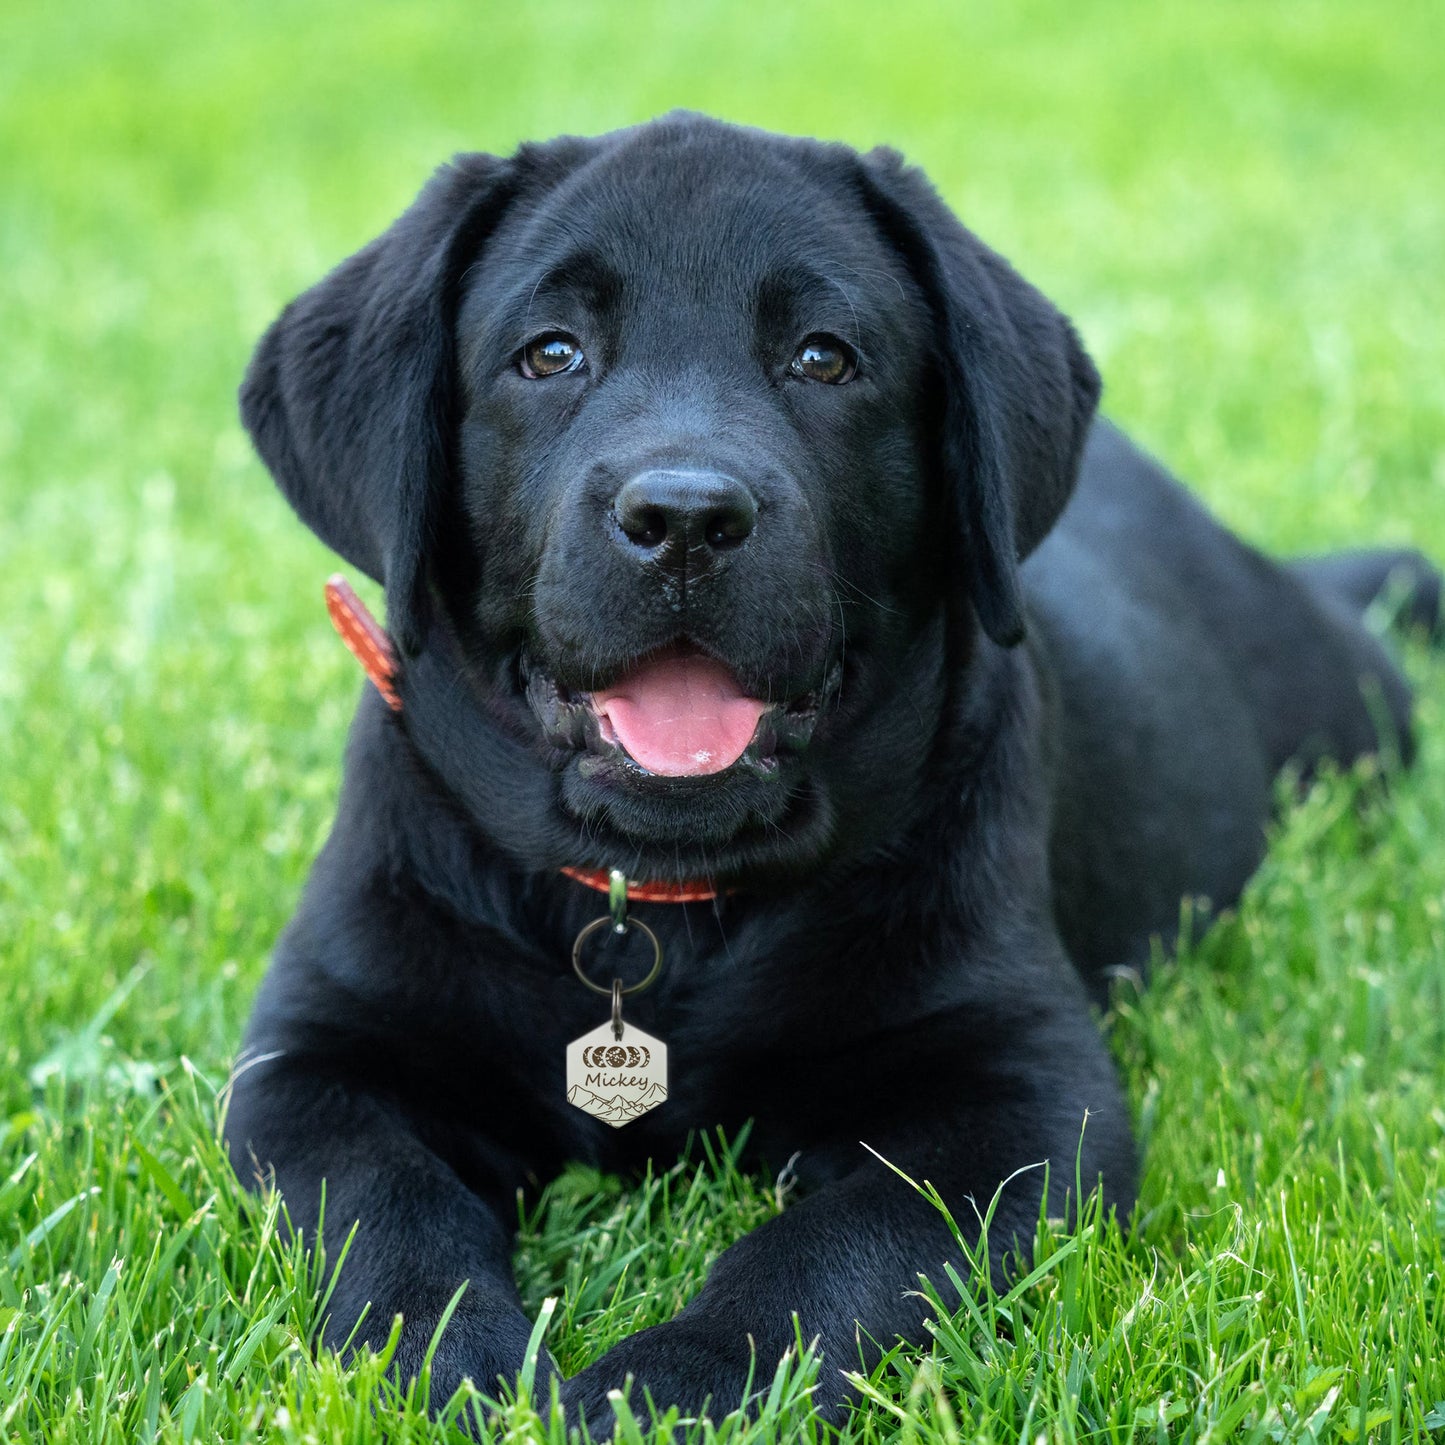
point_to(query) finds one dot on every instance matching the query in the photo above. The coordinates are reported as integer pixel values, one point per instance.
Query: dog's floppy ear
(349, 397)
(1018, 389)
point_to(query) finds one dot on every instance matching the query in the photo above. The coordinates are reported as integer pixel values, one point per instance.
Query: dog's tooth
(765, 740)
(760, 765)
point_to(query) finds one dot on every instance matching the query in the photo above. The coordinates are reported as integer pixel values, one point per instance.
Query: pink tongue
(680, 714)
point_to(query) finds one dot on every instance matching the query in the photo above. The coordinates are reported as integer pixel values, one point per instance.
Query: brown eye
(551, 354)
(825, 358)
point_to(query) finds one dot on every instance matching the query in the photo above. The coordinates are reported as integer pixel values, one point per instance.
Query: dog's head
(705, 445)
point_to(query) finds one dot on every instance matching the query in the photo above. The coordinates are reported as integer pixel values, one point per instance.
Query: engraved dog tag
(616, 1079)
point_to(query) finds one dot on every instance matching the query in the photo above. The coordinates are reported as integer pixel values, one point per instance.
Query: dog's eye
(551, 354)
(825, 358)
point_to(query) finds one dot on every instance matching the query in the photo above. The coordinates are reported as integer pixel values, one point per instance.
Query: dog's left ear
(349, 397)
(1018, 389)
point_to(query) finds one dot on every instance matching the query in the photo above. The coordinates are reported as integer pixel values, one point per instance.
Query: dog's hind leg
(1401, 581)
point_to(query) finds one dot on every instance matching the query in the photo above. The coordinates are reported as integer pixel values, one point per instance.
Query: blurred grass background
(1242, 206)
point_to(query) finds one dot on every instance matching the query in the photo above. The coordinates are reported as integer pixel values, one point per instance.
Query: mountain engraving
(617, 1110)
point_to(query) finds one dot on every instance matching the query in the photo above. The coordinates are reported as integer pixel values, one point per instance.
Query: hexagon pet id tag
(617, 1073)
(616, 1076)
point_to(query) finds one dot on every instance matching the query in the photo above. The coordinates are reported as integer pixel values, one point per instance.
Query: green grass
(1244, 208)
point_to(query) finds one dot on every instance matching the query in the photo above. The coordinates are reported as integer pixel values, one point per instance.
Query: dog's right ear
(349, 398)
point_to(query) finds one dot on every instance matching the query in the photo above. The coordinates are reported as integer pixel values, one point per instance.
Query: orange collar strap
(364, 636)
(373, 649)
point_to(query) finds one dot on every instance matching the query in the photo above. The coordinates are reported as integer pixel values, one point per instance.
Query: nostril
(728, 526)
(646, 526)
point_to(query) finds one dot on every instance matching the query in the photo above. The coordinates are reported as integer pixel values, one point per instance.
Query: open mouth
(674, 713)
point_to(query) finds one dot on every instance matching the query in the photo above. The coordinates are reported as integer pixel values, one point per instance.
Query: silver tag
(616, 1079)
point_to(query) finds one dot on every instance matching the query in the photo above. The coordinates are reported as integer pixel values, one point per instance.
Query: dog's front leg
(846, 1258)
(421, 1232)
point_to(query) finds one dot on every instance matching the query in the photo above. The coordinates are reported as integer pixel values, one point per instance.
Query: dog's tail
(1400, 585)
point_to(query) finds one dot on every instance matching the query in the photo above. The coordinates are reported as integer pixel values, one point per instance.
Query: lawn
(1243, 207)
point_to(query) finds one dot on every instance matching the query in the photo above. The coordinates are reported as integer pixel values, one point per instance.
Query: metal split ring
(615, 988)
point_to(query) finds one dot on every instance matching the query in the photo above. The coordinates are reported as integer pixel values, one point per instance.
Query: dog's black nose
(684, 518)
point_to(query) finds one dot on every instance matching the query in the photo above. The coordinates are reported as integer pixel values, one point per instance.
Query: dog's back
(1188, 670)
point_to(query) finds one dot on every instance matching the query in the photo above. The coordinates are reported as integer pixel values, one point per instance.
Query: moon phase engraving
(614, 1056)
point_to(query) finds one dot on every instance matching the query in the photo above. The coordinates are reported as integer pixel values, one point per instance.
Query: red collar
(373, 649)
(690, 891)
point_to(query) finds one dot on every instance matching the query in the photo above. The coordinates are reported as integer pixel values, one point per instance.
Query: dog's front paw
(484, 1342)
(675, 1364)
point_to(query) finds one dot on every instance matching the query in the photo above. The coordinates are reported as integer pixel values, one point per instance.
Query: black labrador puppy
(745, 526)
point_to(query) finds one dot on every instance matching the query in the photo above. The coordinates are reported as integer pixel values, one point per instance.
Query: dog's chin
(731, 833)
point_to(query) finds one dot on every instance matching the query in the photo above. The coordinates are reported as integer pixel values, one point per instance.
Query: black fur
(922, 900)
